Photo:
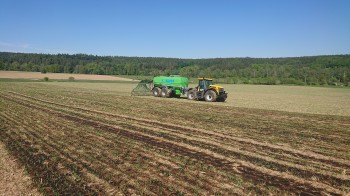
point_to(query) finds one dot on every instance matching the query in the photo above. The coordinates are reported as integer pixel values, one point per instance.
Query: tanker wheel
(156, 92)
(191, 95)
(166, 92)
(210, 96)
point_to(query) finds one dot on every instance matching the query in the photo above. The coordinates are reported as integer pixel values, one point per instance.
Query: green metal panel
(171, 81)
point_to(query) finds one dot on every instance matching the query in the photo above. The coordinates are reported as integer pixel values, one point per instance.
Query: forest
(308, 70)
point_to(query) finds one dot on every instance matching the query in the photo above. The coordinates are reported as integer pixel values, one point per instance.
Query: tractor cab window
(204, 84)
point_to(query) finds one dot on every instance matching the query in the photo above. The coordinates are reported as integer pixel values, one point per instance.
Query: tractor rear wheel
(210, 96)
(190, 95)
(156, 92)
(166, 92)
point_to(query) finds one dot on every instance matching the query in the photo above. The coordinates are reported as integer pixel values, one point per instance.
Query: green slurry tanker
(172, 86)
(175, 86)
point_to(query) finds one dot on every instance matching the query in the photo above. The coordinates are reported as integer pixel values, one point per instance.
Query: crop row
(104, 168)
(314, 133)
(253, 160)
(187, 131)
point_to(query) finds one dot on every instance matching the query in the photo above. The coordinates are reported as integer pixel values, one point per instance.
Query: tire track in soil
(278, 179)
(266, 146)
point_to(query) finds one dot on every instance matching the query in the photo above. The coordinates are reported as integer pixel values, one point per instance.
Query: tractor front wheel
(210, 96)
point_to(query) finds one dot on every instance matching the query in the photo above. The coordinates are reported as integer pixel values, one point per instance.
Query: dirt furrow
(298, 153)
(308, 172)
(277, 179)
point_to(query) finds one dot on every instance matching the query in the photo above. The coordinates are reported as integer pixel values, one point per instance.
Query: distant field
(60, 76)
(303, 99)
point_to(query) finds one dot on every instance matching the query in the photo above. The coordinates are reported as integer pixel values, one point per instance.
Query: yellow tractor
(207, 90)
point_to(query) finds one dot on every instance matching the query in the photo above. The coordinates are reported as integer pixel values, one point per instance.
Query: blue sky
(177, 28)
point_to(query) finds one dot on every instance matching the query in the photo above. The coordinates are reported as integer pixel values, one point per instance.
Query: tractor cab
(204, 84)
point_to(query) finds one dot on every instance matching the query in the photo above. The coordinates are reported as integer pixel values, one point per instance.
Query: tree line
(311, 70)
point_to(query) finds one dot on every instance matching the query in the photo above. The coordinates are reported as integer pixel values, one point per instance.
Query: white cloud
(7, 45)
(24, 45)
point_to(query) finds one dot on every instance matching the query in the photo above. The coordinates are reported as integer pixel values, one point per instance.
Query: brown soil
(14, 180)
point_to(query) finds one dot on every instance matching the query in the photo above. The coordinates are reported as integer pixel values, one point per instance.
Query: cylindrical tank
(173, 81)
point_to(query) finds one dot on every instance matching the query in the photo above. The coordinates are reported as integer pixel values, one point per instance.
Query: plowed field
(84, 141)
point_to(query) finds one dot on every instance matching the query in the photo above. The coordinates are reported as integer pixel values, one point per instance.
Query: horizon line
(72, 54)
